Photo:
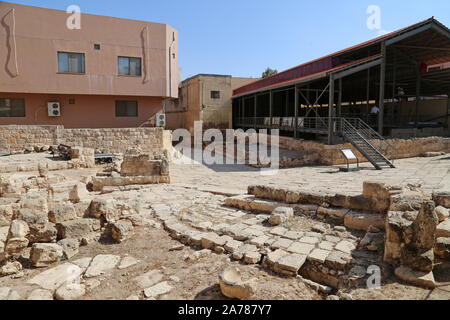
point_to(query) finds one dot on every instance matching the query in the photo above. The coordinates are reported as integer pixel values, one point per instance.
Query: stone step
(352, 219)
(347, 201)
(254, 204)
(98, 183)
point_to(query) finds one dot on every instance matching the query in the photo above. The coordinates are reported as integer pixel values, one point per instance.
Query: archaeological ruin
(84, 210)
(328, 181)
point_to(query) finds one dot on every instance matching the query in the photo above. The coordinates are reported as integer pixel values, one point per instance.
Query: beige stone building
(204, 97)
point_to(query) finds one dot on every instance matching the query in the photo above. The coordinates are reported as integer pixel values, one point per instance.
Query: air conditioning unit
(160, 120)
(54, 109)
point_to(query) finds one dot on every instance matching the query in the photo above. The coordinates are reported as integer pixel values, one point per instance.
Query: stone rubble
(157, 290)
(101, 264)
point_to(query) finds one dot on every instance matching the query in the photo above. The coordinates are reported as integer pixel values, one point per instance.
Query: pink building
(109, 73)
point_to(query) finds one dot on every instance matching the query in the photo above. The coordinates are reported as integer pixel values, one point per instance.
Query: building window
(69, 62)
(126, 108)
(12, 108)
(129, 66)
(97, 46)
(215, 94)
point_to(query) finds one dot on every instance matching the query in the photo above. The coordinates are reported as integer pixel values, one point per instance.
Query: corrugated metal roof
(321, 65)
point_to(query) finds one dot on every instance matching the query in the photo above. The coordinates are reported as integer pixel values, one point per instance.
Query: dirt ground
(197, 280)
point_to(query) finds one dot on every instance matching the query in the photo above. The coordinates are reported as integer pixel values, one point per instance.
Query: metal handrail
(367, 133)
(348, 128)
(385, 147)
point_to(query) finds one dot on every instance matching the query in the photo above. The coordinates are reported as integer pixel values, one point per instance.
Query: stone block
(78, 228)
(443, 230)
(140, 165)
(290, 264)
(364, 220)
(6, 215)
(333, 212)
(18, 229)
(318, 255)
(338, 260)
(379, 190)
(233, 245)
(282, 244)
(422, 279)
(441, 212)
(272, 257)
(442, 199)
(252, 257)
(62, 212)
(70, 247)
(45, 254)
(345, 247)
(120, 230)
(442, 248)
(301, 248)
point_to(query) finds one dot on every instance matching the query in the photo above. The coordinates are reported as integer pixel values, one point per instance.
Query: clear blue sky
(243, 37)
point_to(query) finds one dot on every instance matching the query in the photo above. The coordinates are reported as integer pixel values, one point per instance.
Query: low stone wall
(331, 155)
(16, 138)
(134, 170)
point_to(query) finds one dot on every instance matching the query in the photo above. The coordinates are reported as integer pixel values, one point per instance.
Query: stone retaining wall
(331, 155)
(16, 138)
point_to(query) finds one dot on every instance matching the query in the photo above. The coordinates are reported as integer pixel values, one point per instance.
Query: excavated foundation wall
(16, 138)
(331, 155)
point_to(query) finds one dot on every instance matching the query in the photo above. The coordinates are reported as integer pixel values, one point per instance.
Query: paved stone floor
(432, 173)
(26, 158)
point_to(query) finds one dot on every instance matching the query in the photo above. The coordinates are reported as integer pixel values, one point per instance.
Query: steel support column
(243, 109)
(382, 89)
(254, 112)
(295, 111)
(418, 90)
(330, 109)
(271, 108)
(286, 105)
(448, 110)
(368, 97)
(340, 99)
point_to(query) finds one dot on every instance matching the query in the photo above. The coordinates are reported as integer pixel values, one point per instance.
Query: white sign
(349, 154)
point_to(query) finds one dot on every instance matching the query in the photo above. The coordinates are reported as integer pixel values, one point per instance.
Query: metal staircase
(361, 135)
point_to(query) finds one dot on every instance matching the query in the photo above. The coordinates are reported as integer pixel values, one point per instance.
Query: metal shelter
(333, 95)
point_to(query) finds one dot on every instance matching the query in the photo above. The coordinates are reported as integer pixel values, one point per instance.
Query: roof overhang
(431, 25)
(345, 72)
(408, 35)
(337, 72)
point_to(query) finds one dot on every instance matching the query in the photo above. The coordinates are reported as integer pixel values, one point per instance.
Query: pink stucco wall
(30, 39)
(40, 33)
(89, 111)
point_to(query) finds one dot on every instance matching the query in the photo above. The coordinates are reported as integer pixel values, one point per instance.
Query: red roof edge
(343, 66)
(321, 64)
